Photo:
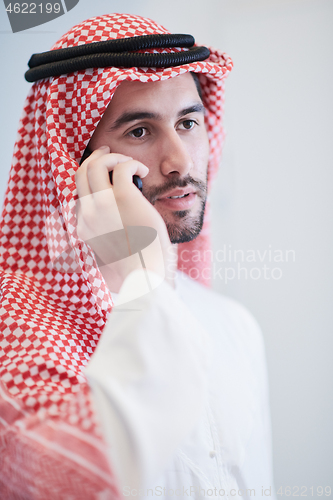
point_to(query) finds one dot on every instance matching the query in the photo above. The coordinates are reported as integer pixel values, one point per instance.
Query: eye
(188, 124)
(138, 132)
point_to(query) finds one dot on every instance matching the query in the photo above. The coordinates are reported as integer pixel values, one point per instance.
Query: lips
(178, 199)
(178, 193)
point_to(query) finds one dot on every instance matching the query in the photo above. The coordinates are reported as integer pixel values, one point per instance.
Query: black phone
(136, 179)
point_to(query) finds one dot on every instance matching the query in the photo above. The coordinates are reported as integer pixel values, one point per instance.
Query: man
(173, 399)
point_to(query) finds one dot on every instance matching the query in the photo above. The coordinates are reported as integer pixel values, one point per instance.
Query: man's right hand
(104, 209)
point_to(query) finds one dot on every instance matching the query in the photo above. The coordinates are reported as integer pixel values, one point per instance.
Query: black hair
(197, 83)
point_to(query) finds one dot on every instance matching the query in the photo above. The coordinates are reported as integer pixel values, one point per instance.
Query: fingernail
(103, 147)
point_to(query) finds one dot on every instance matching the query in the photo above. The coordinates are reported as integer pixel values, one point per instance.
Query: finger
(123, 176)
(98, 170)
(82, 184)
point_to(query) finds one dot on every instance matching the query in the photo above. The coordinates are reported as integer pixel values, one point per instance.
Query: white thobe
(180, 386)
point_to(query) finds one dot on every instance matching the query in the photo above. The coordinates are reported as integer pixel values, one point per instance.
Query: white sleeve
(148, 379)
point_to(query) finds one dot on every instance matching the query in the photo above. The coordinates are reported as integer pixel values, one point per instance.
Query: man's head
(162, 125)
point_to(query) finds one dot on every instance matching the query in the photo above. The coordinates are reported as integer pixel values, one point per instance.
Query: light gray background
(273, 191)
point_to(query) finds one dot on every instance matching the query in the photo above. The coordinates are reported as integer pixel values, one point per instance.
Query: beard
(186, 226)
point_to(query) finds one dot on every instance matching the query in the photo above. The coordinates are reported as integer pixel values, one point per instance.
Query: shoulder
(221, 315)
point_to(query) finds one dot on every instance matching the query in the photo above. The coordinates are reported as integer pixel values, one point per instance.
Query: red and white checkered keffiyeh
(54, 299)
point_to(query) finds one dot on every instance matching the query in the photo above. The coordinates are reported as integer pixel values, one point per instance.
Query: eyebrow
(131, 116)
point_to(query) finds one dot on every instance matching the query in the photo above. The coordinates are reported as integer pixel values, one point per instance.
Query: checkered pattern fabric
(55, 301)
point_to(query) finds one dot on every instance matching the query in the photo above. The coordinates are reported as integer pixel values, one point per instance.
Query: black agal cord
(116, 52)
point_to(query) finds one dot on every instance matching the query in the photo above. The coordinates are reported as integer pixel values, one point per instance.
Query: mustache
(155, 192)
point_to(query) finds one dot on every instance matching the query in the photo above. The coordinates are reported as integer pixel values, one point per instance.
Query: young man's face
(161, 124)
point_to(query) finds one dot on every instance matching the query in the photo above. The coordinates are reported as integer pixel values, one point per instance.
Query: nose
(175, 158)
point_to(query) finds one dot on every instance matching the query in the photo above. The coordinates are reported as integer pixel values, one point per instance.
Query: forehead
(170, 94)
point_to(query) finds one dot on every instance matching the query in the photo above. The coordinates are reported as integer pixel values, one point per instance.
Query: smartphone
(136, 179)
